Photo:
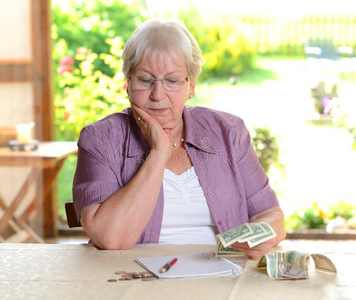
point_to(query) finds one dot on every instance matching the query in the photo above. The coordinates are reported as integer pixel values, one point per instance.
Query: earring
(190, 95)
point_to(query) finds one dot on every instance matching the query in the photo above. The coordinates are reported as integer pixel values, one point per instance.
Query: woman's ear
(192, 88)
(127, 89)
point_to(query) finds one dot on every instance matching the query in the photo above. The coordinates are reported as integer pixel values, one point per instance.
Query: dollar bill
(293, 265)
(256, 233)
(323, 264)
(226, 251)
(258, 239)
(272, 266)
(231, 236)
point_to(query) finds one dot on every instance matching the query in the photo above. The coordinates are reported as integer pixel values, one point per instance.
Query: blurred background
(287, 68)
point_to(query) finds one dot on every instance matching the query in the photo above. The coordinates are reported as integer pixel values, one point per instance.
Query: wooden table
(45, 164)
(53, 271)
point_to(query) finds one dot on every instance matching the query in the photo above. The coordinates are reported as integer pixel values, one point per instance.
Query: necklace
(175, 144)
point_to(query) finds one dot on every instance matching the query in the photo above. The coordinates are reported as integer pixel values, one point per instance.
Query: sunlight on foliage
(315, 217)
(267, 149)
(88, 94)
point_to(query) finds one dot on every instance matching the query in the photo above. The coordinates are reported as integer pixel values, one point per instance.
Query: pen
(167, 266)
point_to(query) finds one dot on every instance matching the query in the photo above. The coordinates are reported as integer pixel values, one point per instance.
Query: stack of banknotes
(254, 234)
(294, 265)
(279, 265)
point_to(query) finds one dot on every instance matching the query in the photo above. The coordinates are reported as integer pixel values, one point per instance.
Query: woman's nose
(158, 92)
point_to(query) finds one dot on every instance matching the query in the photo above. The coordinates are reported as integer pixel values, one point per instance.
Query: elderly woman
(163, 172)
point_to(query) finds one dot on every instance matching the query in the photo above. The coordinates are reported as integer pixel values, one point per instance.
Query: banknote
(231, 236)
(323, 264)
(294, 265)
(258, 239)
(255, 232)
(226, 251)
(258, 231)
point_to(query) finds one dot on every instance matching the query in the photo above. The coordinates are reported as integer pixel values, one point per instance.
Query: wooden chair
(71, 215)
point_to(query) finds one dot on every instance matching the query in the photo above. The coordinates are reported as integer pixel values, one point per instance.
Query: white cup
(24, 133)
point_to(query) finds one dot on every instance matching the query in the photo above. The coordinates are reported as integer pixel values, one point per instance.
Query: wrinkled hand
(152, 131)
(257, 251)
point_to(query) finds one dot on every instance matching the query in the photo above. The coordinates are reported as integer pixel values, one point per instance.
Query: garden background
(256, 67)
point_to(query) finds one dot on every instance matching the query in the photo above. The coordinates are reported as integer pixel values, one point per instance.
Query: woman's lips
(158, 110)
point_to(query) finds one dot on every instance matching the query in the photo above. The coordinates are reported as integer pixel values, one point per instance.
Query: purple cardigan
(218, 144)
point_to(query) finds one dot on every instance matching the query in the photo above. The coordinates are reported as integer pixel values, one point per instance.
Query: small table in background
(45, 164)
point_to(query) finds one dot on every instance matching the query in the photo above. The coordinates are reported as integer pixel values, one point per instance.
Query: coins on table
(144, 276)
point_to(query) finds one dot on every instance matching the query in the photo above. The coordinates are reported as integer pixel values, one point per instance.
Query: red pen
(167, 266)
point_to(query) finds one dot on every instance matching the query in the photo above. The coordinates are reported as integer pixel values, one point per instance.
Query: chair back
(71, 215)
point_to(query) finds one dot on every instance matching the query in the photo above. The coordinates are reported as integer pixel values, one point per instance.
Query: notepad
(191, 265)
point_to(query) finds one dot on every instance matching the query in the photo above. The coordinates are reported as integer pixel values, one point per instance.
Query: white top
(186, 215)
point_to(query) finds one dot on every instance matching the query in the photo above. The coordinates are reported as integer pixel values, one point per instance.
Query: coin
(137, 276)
(112, 280)
(126, 276)
(122, 279)
(147, 279)
(120, 272)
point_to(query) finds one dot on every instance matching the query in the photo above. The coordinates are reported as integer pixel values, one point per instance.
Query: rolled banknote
(294, 265)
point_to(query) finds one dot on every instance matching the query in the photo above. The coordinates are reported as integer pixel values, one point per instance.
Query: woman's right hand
(157, 138)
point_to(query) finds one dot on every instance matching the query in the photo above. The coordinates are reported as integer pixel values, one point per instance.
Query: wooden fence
(288, 35)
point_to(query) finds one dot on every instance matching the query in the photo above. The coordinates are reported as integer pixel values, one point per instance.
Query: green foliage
(89, 24)
(225, 49)
(345, 117)
(267, 148)
(343, 209)
(310, 218)
(65, 183)
(92, 31)
(89, 94)
(315, 217)
(353, 132)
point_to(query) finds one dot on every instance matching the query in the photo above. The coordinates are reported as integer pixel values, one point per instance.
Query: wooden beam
(43, 69)
(16, 72)
(41, 23)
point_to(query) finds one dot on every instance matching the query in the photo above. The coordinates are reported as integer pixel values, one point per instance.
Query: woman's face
(165, 106)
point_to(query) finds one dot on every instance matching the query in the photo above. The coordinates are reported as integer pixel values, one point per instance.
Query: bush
(225, 49)
(315, 217)
(89, 24)
(88, 94)
(267, 148)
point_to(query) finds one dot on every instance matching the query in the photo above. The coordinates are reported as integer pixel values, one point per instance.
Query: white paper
(191, 265)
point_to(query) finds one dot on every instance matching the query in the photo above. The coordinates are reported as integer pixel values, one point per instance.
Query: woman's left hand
(275, 218)
(257, 251)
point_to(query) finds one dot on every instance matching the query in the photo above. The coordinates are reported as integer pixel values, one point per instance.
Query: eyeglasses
(143, 83)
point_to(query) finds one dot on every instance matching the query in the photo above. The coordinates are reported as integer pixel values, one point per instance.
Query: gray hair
(162, 37)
